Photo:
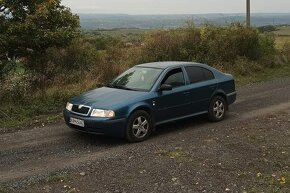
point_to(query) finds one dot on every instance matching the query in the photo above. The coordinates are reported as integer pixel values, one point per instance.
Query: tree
(29, 27)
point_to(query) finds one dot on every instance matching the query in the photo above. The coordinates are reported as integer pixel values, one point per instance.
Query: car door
(171, 104)
(202, 85)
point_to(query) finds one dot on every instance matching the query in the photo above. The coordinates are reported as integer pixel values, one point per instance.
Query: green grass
(20, 67)
(3, 189)
(282, 36)
(36, 111)
(266, 74)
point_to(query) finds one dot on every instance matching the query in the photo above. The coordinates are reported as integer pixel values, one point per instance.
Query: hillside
(109, 21)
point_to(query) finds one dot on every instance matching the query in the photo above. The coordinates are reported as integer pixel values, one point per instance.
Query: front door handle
(186, 93)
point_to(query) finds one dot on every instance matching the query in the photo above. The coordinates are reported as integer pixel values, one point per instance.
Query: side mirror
(165, 87)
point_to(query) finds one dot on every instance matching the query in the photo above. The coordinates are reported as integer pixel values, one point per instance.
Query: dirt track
(249, 151)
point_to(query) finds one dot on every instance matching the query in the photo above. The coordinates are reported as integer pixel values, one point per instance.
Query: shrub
(172, 45)
(226, 44)
(16, 87)
(67, 65)
(5, 67)
(244, 66)
(286, 53)
(115, 61)
(210, 44)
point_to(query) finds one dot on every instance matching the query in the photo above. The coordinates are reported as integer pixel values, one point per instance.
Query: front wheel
(139, 126)
(217, 109)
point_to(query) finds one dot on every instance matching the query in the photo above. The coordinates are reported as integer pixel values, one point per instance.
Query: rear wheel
(139, 126)
(217, 109)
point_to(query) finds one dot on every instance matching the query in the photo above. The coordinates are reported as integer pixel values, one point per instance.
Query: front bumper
(100, 126)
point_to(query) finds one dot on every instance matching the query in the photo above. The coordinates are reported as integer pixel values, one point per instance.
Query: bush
(172, 45)
(210, 44)
(115, 61)
(286, 53)
(244, 66)
(5, 67)
(69, 64)
(16, 87)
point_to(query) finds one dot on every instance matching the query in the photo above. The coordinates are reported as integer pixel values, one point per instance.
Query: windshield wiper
(119, 87)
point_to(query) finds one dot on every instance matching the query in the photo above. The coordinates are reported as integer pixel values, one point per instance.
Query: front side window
(174, 78)
(137, 78)
(198, 74)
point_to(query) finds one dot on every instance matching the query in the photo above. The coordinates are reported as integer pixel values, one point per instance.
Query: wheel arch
(144, 107)
(221, 94)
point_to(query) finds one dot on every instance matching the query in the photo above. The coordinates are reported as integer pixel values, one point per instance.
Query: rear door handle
(185, 93)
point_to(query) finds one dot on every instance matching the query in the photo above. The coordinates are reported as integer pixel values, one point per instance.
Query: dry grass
(281, 41)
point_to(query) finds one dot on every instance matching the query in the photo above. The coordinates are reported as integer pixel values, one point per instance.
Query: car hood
(108, 98)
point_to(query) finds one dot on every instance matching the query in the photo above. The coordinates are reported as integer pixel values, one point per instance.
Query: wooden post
(248, 13)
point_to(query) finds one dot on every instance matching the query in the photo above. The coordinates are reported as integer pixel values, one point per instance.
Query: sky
(136, 7)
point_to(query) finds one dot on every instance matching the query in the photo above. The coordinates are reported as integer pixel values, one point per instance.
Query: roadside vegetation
(42, 67)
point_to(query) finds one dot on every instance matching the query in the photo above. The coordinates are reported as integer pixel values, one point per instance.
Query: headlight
(69, 106)
(102, 113)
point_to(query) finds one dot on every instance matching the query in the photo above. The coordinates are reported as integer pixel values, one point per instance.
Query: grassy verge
(281, 40)
(267, 74)
(3, 189)
(38, 112)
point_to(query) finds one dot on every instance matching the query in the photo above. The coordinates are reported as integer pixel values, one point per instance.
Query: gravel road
(247, 152)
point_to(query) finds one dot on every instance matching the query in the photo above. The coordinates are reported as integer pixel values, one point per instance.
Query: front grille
(81, 109)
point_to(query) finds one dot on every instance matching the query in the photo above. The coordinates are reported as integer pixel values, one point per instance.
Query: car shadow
(188, 123)
(172, 127)
(180, 125)
(96, 140)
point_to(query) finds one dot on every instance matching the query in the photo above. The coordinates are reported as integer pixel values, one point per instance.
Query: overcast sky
(175, 6)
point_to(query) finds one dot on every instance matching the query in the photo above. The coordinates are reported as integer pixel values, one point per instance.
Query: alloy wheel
(140, 127)
(219, 109)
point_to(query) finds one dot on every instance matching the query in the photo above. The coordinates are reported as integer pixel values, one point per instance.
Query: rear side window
(198, 74)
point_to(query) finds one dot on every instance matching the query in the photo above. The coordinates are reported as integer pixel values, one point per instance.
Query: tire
(217, 109)
(139, 127)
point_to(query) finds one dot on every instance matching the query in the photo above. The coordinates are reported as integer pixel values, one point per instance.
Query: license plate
(77, 122)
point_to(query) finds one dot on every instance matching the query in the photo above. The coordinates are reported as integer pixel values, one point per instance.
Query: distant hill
(111, 21)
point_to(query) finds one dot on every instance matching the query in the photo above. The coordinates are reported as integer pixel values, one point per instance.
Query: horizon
(216, 13)
(169, 7)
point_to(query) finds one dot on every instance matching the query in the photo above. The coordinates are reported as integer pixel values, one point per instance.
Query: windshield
(137, 78)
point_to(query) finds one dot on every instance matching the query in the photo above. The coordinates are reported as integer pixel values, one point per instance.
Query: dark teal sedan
(151, 94)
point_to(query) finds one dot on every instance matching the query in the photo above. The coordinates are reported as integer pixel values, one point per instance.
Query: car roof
(164, 65)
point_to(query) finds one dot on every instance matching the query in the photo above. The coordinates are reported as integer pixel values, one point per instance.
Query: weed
(58, 178)
(177, 154)
(271, 183)
(3, 189)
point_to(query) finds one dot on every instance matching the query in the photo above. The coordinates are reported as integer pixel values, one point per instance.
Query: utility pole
(248, 13)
